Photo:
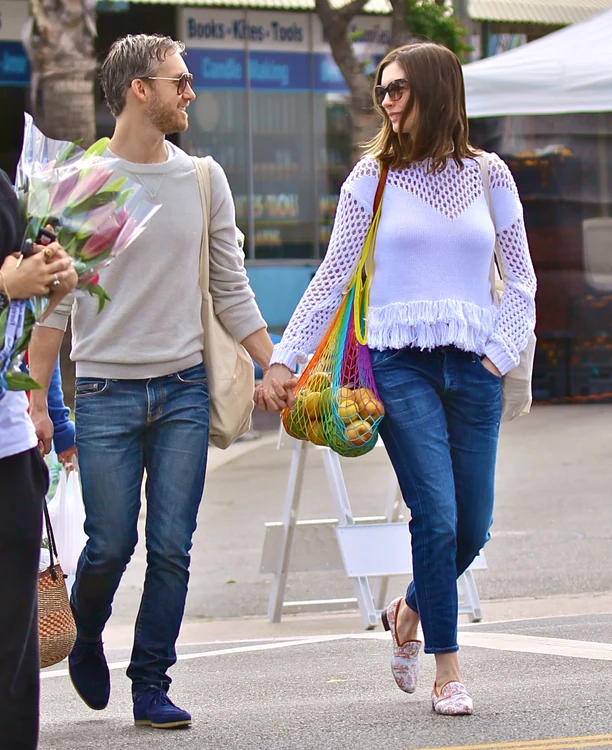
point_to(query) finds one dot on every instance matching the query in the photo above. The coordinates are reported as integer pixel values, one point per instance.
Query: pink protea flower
(60, 192)
(89, 185)
(99, 243)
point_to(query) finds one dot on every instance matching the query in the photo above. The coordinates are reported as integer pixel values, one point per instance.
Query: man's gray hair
(134, 56)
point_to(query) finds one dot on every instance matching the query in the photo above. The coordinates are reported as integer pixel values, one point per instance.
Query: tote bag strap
(202, 168)
(496, 263)
(362, 280)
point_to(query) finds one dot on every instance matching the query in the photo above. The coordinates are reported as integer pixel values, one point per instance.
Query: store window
(273, 109)
(283, 180)
(218, 127)
(332, 124)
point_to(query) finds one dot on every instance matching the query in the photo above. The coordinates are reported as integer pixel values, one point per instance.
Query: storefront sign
(277, 50)
(226, 46)
(14, 65)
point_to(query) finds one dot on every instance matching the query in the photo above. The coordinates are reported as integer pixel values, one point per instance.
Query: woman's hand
(35, 275)
(487, 364)
(275, 391)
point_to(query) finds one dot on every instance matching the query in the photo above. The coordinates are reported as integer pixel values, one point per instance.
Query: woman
(438, 344)
(23, 483)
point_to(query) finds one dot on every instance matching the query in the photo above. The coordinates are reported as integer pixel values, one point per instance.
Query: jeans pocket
(478, 360)
(192, 375)
(86, 387)
(380, 357)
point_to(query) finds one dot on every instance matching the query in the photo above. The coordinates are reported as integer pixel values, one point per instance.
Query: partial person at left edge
(23, 484)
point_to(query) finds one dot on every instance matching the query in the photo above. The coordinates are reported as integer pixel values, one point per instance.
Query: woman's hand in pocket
(487, 364)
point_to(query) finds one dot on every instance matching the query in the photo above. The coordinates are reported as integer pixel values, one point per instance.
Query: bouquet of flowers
(94, 213)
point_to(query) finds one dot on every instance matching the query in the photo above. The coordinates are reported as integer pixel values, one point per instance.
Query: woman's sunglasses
(394, 90)
(181, 82)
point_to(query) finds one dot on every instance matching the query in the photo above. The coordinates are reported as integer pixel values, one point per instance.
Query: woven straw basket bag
(56, 627)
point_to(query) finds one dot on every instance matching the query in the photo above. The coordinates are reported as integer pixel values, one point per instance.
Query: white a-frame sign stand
(365, 548)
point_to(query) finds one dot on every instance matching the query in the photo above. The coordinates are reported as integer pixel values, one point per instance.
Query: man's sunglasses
(181, 82)
(394, 90)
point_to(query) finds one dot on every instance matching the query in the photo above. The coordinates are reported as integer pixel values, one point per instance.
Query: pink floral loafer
(405, 660)
(452, 700)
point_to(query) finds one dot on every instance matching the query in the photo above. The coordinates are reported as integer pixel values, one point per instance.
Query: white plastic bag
(67, 514)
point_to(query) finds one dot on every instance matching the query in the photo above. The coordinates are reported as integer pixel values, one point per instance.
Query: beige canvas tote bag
(229, 368)
(516, 384)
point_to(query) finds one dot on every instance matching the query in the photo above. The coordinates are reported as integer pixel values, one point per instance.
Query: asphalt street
(530, 683)
(538, 666)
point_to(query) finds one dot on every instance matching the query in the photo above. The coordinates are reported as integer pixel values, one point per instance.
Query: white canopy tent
(567, 71)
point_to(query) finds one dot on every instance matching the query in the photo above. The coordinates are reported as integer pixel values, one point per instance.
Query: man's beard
(166, 119)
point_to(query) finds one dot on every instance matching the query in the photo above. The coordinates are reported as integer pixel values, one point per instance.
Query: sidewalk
(538, 666)
(550, 542)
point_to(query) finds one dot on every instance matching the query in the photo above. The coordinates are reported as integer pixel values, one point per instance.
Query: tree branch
(335, 26)
(348, 12)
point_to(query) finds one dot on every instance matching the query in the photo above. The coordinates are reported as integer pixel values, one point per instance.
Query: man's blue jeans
(441, 424)
(124, 427)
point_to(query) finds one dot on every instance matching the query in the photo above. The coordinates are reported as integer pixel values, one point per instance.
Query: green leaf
(96, 291)
(97, 148)
(124, 196)
(67, 152)
(95, 201)
(3, 318)
(19, 381)
(426, 19)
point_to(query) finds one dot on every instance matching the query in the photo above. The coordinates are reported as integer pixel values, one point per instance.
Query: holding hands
(275, 392)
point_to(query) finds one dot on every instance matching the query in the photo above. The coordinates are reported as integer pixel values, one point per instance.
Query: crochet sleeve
(516, 317)
(321, 299)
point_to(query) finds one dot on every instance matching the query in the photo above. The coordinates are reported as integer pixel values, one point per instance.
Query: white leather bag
(229, 368)
(516, 384)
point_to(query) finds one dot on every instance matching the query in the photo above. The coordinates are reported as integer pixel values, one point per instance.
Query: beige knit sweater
(151, 327)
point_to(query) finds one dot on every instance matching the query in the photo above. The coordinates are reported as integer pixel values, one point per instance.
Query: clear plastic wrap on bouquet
(95, 212)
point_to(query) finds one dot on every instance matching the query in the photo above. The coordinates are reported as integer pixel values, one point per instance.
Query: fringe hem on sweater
(429, 324)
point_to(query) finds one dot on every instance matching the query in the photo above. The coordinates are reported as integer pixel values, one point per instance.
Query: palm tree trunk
(60, 45)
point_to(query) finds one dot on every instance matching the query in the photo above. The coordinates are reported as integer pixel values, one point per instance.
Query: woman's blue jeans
(124, 427)
(441, 425)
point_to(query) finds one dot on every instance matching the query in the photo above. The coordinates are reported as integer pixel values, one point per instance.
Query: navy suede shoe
(153, 708)
(89, 673)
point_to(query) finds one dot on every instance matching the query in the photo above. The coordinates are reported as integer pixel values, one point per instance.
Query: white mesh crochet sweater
(431, 284)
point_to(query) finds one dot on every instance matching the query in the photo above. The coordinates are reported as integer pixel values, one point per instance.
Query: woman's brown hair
(437, 97)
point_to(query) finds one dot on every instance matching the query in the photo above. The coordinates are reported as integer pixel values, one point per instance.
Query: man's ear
(139, 90)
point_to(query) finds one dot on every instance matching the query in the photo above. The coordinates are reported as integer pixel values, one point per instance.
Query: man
(141, 393)
(23, 484)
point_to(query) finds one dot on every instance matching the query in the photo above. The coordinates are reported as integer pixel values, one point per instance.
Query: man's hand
(68, 457)
(275, 392)
(43, 426)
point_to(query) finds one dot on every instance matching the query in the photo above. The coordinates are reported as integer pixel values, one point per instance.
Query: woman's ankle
(447, 669)
(407, 625)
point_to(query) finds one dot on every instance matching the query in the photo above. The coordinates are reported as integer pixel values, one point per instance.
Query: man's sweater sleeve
(233, 298)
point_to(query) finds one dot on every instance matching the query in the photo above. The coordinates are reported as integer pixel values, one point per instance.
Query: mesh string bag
(336, 401)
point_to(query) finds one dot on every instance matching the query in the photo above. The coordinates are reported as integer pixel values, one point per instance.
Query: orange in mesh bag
(336, 401)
